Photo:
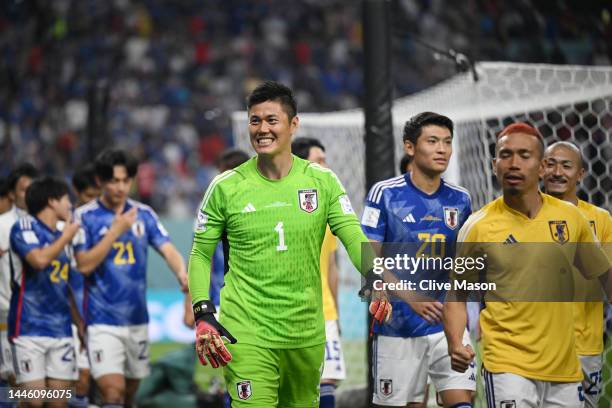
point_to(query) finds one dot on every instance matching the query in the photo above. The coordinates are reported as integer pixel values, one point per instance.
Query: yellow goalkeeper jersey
(328, 249)
(588, 316)
(532, 339)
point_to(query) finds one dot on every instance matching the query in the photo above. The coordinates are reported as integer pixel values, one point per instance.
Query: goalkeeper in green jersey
(274, 209)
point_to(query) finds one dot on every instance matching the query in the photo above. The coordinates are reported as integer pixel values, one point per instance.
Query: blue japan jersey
(39, 299)
(115, 292)
(397, 211)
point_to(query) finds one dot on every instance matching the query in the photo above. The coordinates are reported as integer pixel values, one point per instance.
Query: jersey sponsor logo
(430, 217)
(138, 228)
(244, 389)
(510, 240)
(201, 220)
(98, 356)
(26, 366)
(507, 404)
(409, 218)
(248, 208)
(345, 204)
(559, 231)
(29, 237)
(451, 217)
(592, 224)
(370, 217)
(308, 200)
(386, 386)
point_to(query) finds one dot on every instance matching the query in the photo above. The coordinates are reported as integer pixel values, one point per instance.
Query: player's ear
(295, 123)
(494, 166)
(409, 148)
(542, 169)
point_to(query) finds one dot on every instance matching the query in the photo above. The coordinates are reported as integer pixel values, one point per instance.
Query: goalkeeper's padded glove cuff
(368, 286)
(203, 308)
(204, 311)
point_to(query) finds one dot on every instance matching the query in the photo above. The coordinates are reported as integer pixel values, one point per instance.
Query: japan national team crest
(451, 217)
(308, 200)
(386, 386)
(138, 228)
(559, 231)
(244, 389)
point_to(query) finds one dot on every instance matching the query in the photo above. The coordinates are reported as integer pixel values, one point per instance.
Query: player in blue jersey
(40, 313)
(418, 207)
(111, 250)
(18, 181)
(86, 189)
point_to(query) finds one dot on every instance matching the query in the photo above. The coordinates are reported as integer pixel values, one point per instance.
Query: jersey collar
(435, 194)
(126, 207)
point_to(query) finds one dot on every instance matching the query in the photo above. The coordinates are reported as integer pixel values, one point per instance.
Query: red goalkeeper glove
(209, 344)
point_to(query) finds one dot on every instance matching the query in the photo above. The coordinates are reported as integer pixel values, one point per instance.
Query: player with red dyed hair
(528, 348)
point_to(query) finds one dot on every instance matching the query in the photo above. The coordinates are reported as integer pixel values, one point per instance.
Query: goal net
(564, 102)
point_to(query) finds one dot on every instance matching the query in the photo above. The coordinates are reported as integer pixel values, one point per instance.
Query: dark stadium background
(161, 78)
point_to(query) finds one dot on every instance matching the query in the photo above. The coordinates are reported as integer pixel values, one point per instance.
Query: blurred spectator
(178, 69)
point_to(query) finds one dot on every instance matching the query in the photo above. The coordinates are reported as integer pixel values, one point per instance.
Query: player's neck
(113, 207)
(571, 198)
(48, 217)
(427, 183)
(274, 167)
(528, 203)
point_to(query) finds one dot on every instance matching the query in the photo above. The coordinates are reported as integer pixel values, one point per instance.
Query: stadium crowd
(176, 70)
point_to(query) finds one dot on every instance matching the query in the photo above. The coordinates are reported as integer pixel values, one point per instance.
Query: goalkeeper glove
(209, 344)
(380, 307)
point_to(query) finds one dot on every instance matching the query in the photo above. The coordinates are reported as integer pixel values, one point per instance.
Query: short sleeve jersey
(397, 211)
(532, 339)
(115, 292)
(588, 316)
(39, 300)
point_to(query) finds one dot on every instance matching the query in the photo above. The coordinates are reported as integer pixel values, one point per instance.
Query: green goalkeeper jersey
(272, 293)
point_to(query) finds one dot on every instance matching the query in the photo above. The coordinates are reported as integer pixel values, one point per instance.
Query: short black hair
(301, 146)
(406, 159)
(108, 159)
(274, 91)
(42, 190)
(414, 126)
(4, 187)
(84, 178)
(231, 158)
(22, 170)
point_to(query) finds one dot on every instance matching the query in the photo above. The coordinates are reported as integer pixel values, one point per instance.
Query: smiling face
(433, 149)
(562, 171)
(270, 128)
(518, 163)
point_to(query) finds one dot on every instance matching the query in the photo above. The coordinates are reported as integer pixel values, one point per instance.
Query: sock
(79, 401)
(462, 405)
(328, 399)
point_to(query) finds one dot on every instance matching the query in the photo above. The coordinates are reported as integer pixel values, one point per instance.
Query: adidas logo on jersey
(249, 208)
(409, 218)
(510, 240)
